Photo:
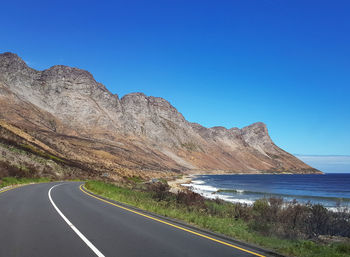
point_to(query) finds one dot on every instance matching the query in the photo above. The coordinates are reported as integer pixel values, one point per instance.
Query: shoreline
(176, 185)
(188, 182)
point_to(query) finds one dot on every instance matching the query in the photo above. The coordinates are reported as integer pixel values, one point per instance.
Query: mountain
(64, 113)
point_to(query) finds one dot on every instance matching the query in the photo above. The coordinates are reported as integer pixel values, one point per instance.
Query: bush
(318, 222)
(159, 190)
(190, 198)
(7, 169)
(293, 221)
(339, 224)
(262, 220)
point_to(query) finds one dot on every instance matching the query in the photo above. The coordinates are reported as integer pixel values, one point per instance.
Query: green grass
(135, 179)
(220, 220)
(8, 181)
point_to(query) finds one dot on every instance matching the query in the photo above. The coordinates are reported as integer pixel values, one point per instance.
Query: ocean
(331, 190)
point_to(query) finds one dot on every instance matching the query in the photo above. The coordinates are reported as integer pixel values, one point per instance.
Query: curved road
(74, 223)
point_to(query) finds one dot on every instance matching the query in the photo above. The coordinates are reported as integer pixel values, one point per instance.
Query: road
(59, 219)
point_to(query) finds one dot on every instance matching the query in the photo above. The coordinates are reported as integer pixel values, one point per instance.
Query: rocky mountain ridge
(67, 102)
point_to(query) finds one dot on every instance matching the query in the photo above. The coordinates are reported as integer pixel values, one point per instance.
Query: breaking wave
(211, 192)
(249, 197)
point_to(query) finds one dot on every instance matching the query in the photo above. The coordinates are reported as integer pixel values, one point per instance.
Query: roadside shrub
(159, 190)
(339, 223)
(275, 204)
(190, 198)
(293, 221)
(242, 211)
(20, 170)
(261, 219)
(269, 217)
(318, 221)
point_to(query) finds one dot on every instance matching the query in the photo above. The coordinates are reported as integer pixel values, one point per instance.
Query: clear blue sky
(229, 63)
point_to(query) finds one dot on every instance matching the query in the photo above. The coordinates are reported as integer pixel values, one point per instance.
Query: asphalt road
(73, 223)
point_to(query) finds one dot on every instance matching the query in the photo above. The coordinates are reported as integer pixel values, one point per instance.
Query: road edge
(8, 188)
(257, 248)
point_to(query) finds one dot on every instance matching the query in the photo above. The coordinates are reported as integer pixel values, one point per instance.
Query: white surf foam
(199, 187)
(210, 192)
(338, 209)
(197, 182)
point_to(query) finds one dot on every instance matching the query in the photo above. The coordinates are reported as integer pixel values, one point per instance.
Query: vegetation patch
(34, 150)
(135, 179)
(292, 231)
(191, 147)
(9, 181)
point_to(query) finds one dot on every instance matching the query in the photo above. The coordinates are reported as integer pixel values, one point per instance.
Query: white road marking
(86, 241)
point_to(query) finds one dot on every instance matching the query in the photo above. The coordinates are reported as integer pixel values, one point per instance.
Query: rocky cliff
(81, 121)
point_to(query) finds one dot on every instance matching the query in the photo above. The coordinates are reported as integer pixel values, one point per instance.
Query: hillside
(64, 113)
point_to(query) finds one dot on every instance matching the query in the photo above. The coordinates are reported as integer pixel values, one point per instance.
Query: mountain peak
(63, 72)
(256, 125)
(9, 60)
(10, 55)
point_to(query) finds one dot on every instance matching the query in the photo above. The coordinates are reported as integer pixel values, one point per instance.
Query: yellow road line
(10, 188)
(170, 224)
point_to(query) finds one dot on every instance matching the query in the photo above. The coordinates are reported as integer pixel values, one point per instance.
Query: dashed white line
(86, 241)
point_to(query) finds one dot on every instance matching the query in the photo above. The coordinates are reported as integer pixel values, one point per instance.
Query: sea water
(330, 190)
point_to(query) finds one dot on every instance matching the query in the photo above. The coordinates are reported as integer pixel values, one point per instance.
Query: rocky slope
(77, 119)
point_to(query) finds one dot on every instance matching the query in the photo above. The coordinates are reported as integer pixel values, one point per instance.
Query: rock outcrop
(81, 120)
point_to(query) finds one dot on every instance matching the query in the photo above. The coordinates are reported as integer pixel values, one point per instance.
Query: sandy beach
(176, 184)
